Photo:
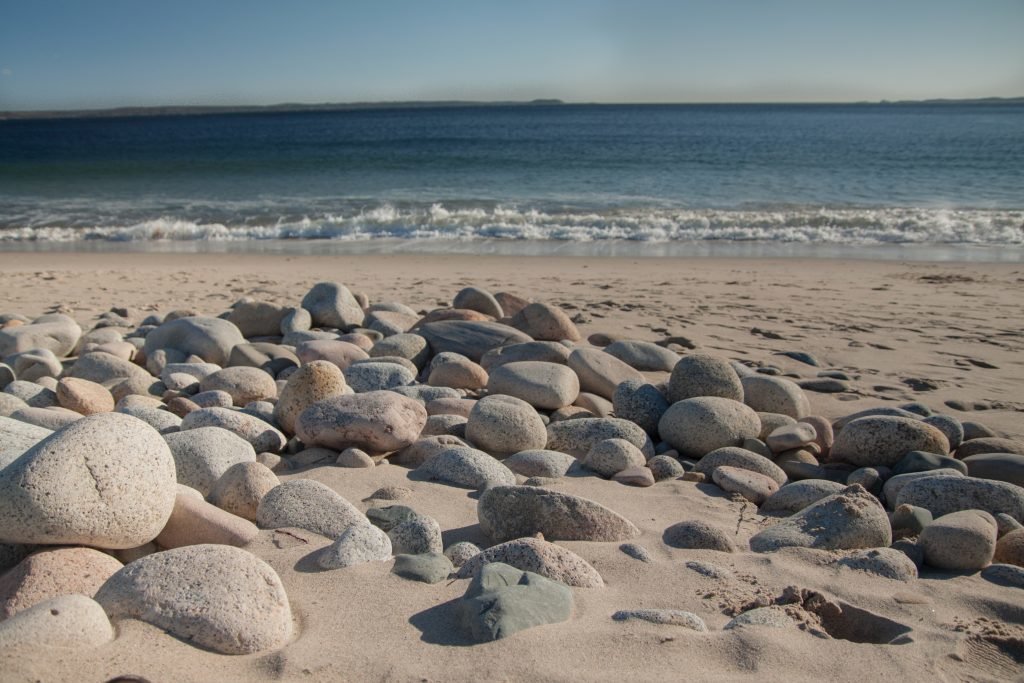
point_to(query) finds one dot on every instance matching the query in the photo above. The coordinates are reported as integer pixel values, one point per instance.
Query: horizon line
(285, 107)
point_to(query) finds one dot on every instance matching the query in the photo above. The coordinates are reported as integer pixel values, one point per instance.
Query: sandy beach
(947, 335)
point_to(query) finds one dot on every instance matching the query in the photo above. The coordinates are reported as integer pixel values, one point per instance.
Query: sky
(73, 54)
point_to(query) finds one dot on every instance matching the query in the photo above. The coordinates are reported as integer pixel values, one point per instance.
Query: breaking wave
(801, 225)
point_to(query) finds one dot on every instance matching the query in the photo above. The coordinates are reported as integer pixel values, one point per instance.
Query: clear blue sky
(102, 53)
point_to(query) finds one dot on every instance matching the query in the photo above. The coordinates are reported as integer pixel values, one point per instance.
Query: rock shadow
(438, 625)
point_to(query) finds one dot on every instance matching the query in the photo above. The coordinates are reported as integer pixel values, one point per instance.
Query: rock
(460, 553)
(576, 437)
(824, 436)
(377, 376)
(542, 385)
(847, 520)
(417, 535)
(358, 544)
(49, 418)
(989, 445)
(390, 323)
(426, 567)
(354, 458)
(464, 466)
(65, 622)
(243, 384)
(910, 519)
(885, 562)
(792, 436)
(16, 437)
(799, 495)
(664, 467)
(540, 557)
(388, 517)
(942, 495)
(533, 351)
(772, 617)
(775, 395)
(410, 346)
(772, 421)
(640, 403)
(697, 535)
(948, 425)
(54, 332)
(311, 383)
(753, 486)
(737, 457)
(451, 406)
(308, 505)
(545, 322)
(891, 489)
(502, 425)
(425, 393)
(376, 422)
(643, 355)
(1006, 523)
(1010, 548)
(34, 395)
(262, 436)
(33, 365)
(510, 303)
(163, 421)
(420, 450)
(331, 304)
(476, 299)
(258, 319)
(964, 540)
(456, 371)
(1004, 575)
(105, 481)
(539, 463)
(611, 456)
(703, 375)
(921, 461)
(9, 404)
(502, 600)
(53, 572)
(241, 487)
(203, 455)
(193, 521)
(1008, 467)
(637, 475)
(469, 337)
(507, 512)
(697, 426)
(976, 430)
(884, 440)
(600, 373)
(208, 338)
(664, 617)
(237, 607)
(340, 353)
(824, 385)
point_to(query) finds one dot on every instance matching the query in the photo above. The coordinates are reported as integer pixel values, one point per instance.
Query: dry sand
(956, 327)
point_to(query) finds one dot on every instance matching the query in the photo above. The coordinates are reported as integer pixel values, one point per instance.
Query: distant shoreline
(205, 110)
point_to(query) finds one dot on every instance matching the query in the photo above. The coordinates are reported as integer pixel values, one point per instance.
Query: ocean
(880, 180)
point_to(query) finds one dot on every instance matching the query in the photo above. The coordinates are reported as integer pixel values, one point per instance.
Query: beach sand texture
(947, 335)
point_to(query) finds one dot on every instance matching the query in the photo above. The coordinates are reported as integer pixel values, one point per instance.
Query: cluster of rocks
(137, 457)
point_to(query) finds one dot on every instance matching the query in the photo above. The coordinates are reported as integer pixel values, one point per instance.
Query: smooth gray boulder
(695, 534)
(464, 466)
(502, 600)
(797, 495)
(54, 332)
(959, 541)
(1008, 467)
(539, 463)
(697, 426)
(377, 376)
(313, 382)
(417, 535)
(203, 455)
(308, 505)
(732, 456)
(471, 338)
(106, 481)
(218, 597)
(540, 557)
(576, 437)
(425, 567)
(331, 304)
(945, 494)
(643, 355)
(885, 440)
(535, 351)
(67, 622)
(665, 617)
(599, 372)
(244, 384)
(702, 374)
(508, 512)
(376, 422)
(502, 425)
(16, 437)
(477, 299)
(775, 395)
(889, 563)
(543, 385)
(892, 487)
(358, 544)
(611, 456)
(258, 318)
(208, 338)
(640, 403)
(847, 520)
(263, 436)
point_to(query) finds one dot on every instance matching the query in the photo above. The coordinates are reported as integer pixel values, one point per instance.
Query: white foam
(436, 221)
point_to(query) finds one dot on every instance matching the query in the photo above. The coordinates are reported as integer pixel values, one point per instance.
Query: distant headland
(291, 107)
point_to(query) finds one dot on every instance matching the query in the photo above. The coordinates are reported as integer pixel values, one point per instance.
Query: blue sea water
(658, 178)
